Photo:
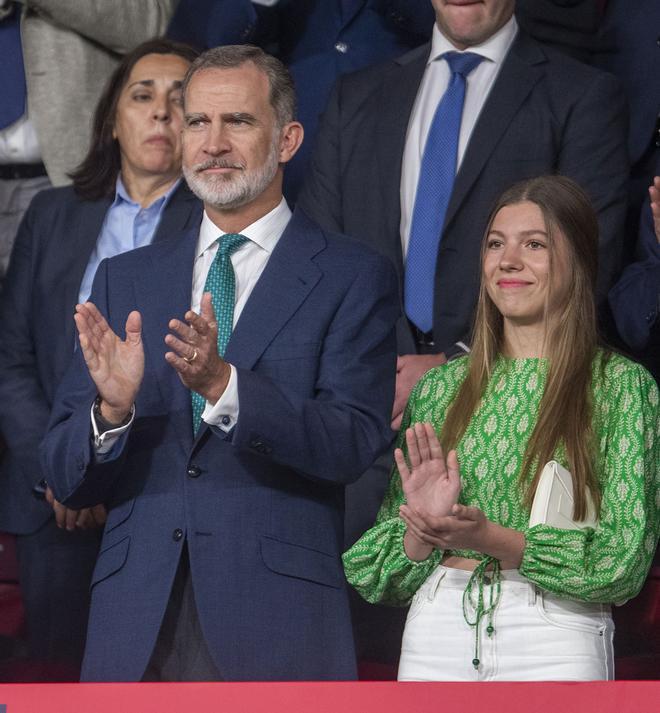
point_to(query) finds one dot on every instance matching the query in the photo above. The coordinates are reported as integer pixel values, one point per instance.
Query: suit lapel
(521, 71)
(84, 234)
(162, 293)
(285, 283)
(398, 93)
(183, 211)
(350, 8)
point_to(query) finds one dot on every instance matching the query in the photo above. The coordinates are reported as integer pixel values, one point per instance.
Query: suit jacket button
(177, 534)
(194, 471)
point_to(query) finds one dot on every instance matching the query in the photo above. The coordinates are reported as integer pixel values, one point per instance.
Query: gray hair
(282, 91)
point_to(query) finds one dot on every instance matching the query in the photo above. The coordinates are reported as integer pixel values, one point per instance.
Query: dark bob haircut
(96, 176)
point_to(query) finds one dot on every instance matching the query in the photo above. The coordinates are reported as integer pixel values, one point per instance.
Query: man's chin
(216, 193)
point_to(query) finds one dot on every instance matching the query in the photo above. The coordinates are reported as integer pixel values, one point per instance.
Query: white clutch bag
(553, 501)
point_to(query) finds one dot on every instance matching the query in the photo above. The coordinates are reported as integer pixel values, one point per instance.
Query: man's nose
(217, 141)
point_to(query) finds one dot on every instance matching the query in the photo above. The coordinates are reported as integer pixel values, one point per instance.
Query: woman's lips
(512, 283)
(159, 139)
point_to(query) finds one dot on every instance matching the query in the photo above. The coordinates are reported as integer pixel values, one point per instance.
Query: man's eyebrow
(194, 115)
(241, 116)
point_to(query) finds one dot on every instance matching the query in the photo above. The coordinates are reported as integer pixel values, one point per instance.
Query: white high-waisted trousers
(537, 637)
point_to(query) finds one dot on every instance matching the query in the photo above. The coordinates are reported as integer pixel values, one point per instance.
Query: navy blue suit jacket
(635, 299)
(261, 507)
(546, 113)
(53, 246)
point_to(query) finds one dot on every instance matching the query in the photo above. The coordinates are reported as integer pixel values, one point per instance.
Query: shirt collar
(265, 232)
(121, 195)
(494, 48)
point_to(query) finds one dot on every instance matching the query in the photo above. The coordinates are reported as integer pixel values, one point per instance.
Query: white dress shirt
(434, 84)
(248, 261)
(19, 143)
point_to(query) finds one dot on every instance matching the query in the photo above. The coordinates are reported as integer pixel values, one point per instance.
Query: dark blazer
(54, 242)
(261, 508)
(635, 299)
(546, 113)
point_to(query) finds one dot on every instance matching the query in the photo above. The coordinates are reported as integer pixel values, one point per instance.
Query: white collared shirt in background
(433, 85)
(19, 143)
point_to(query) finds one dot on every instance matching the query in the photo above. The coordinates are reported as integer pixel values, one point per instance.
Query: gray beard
(225, 193)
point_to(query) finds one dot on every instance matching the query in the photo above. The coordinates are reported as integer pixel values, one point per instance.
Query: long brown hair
(96, 176)
(565, 410)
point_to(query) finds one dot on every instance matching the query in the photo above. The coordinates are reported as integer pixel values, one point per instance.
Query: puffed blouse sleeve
(377, 565)
(610, 563)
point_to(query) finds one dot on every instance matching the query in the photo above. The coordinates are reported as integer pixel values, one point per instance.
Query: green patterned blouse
(608, 564)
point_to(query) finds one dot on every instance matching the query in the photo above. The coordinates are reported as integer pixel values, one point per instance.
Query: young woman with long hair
(493, 598)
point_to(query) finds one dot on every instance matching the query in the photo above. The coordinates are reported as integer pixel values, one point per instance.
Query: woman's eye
(535, 245)
(493, 244)
(141, 97)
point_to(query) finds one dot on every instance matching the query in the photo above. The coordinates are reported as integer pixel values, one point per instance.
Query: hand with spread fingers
(194, 354)
(115, 365)
(431, 483)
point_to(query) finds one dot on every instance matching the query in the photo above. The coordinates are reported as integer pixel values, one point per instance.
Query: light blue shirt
(127, 226)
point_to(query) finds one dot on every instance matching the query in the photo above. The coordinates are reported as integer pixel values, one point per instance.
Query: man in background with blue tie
(411, 154)
(254, 381)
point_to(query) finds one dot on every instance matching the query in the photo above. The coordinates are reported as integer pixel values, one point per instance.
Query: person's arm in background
(119, 25)
(569, 25)
(209, 23)
(635, 299)
(24, 407)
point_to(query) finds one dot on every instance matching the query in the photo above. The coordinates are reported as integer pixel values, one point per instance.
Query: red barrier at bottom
(600, 697)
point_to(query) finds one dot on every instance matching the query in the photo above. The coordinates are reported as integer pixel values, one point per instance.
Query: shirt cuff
(224, 413)
(103, 442)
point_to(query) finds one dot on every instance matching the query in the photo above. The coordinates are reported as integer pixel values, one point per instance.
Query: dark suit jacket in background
(261, 508)
(546, 113)
(635, 299)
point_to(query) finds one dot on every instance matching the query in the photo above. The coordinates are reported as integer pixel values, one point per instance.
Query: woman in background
(126, 193)
(492, 598)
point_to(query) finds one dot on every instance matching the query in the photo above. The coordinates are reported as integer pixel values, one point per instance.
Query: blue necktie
(436, 180)
(221, 283)
(12, 71)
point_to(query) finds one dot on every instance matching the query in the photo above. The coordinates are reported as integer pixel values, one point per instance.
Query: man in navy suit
(528, 110)
(220, 556)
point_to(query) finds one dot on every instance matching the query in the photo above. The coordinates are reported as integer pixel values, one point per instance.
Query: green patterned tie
(221, 283)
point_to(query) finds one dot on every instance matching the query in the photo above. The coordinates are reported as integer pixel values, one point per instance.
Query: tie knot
(230, 242)
(462, 62)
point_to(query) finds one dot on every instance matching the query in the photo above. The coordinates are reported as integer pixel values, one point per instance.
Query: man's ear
(291, 137)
